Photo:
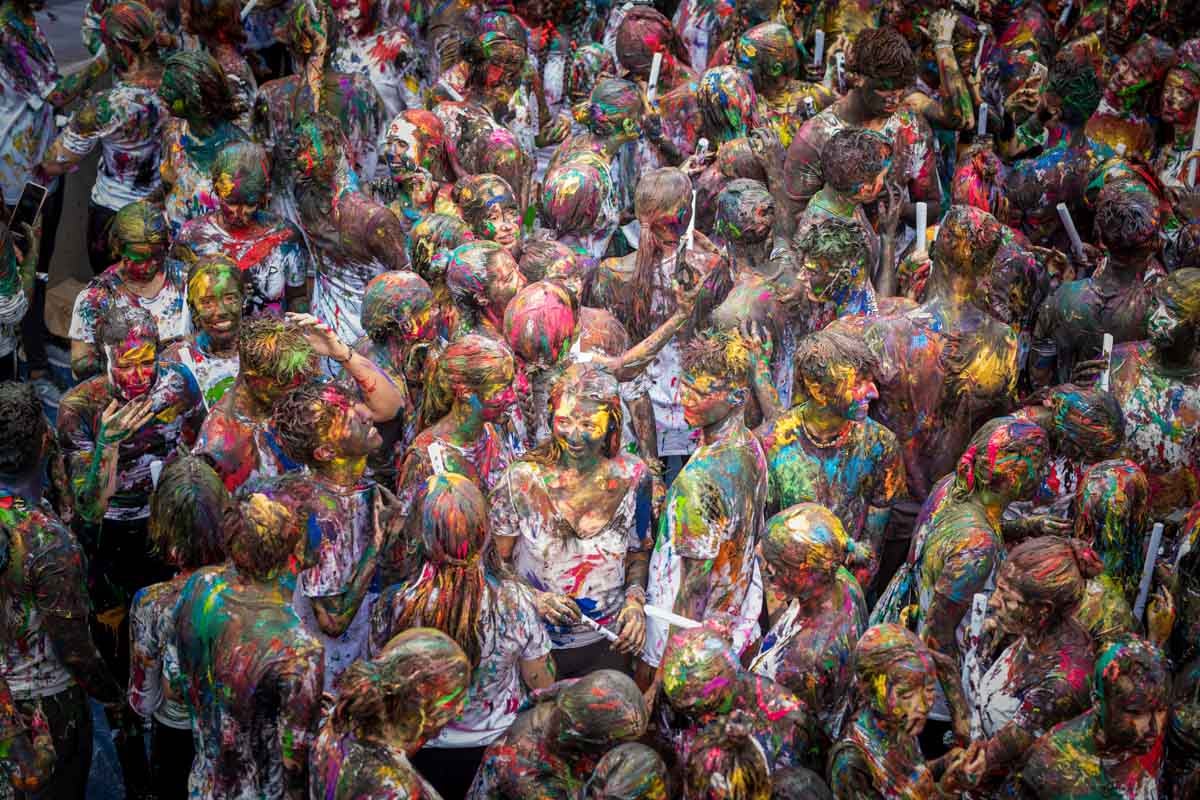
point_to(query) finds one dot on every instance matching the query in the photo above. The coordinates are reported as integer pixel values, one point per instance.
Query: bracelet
(635, 594)
(346, 360)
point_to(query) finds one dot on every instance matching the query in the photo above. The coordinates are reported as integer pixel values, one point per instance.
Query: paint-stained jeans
(70, 721)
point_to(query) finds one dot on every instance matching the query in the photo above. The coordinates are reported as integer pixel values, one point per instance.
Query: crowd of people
(557, 399)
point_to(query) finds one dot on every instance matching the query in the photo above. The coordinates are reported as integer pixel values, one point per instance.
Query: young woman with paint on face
(1177, 108)
(1158, 386)
(483, 278)
(630, 771)
(270, 251)
(209, 355)
(768, 53)
(725, 762)
(1115, 750)
(818, 612)
(825, 449)
(187, 511)
(387, 709)
(489, 206)
(1124, 113)
(459, 589)
(878, 756)
(203, 121)
(126, 121)
(249, 669)
(140, 279)
(273, 357)
(579, 505)
(48, 659)
(1043, 676)
(554, 746)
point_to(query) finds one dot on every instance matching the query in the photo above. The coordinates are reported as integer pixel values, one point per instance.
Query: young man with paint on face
(768, 53)
(483, 278)
(250, 673)
(1124, 116)
(383, 54)
(1157, 384)
(418, 177)
(387, 708)
(209, 354)
(141, 278)
(827, 450)
(703, 561)
(269, 250)
(48, 658)
(1115, 750)
(1180, 98)
(555, 745)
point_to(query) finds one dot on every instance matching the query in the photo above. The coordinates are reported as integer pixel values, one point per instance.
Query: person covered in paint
(703, 562)
(726, 761)
(642, 32)
(835, 264)
(269, 250)
(142, 278)
(878, 755)
(187, 511)
(48, 658)
(767, 52)
(387, 708)
(629, 771)
(1157, 384)
(28, 747)
(1116, 299)
(553, 747)
(1124, 114)
(490, 207)
(1177, 108)
(217, 26)
(825, 449)
(483, 277)
(418, 176)
(704, 685)
(383, 53)
(429, 244)
(579, 204)
(126, 120)
(274, 356)
(460, 590)
(353, 236)
(197, 92)
(817, 612)
(1114, 750)
(209, 355)
(573, 517)
(1043, 676)
(949, 106)
(251, 674)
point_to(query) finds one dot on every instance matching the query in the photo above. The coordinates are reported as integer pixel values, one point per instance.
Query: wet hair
(202, 90)
(377, 694)
(995, 439)
(767, 51)
(726, 762)
(1090, 419)
(467, 275)
(257, 549)
(1130, 668)
(248, 162)
(272, 347)
(471, 360)
(820, 352)
(490, 149)
(187, 512)
(588, 64)
(539, 323)
(631, 771)
(659, 193)
(121, 322)
(212, 265)
(886, 649)
(1127, 218)
(302, 416)
(852, 156)
(612, 100)
(131, 24)
(1182, 250)
(573, 194)
(490, 49)
(1180, 291)
(737, 206)
(966, 243)
(1111, 510)
(540, 256)
(214, 20)
(808, 534)
(1076, 85)
(643, 32)
(306, 20)
(798, 783)
(389, 300)
(23, 427)
(139, 222)
(839, 244)
(728, 103)
(883, 54)
(721, 354)
(434, 234)
(1052, 570)
(476, 194)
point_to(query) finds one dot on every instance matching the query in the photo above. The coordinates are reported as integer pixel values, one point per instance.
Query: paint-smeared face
(1009, 608)
(1181, 90)
(241, 192)
(132, 367)
(1169, 331)
(142, 260)
(847, 391)
(504, 280)
(882, 98)
(708, 399)
(216, 301)
(904, 697)
(496, 395)
(1124, 22)
(501, 224)
(266, 389)
(581, 425)
(805, 579)
(870, 189)
(349, 433)
(1135, 724)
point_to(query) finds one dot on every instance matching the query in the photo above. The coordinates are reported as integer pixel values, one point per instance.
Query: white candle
(983, 34)
(981, 128)
(1139, 607)
(841, 71)
(922, 227)
(818, 47)
(1106, 354)
(670, 617)
(810, 108)
(1195, 148)
(1069, 225)
(655, 67)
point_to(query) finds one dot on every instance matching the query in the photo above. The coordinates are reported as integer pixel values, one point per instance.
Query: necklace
(837, 440)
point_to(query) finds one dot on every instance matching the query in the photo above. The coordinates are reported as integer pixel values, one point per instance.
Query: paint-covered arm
(27, 751)
(1052, 700)
(93, 462)
(87, 126)
(300, 708)
(335, 612)
(964, 574)
(849, 775)
(145, 666)
(634, 361)
(71, 87)
(954, 111)
(86, 360)
(386, 238)
(379, 394)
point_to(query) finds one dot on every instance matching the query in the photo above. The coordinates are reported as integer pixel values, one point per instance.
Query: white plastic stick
(841, 71)
(156, 468)
(249, 7)
(981, 128)
(1069, 225)
(655, 68)
(1139, 607)
(983, 34)
(670, 617)
(1195, 148)
(810, 108)
(818, 47)
(598, 628)
(922, 227)
(691, 228)
(1066, 12)
(1106, 354)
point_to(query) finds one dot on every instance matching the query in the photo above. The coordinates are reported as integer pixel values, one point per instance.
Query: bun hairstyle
(809, 534)
(1052, 570)
(631, 771)
(726, 762)
(996, 438)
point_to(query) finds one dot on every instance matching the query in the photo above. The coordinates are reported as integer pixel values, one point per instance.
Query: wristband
(636, 594)
(346, 360)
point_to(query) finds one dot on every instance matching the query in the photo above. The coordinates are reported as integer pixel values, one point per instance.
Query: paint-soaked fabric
(270, 252)
(155, 683)
(346, 766)
(860, 470)
(1067, 764)
(865, 765)
(186, 169)
(1104, 612)
(108, 289)
(813, 656)
(175, 422)
(713, 514)
(1162, 426)
(213, 375)
(551, 557)
(238, 447)
(510, 631)
(45, 575)
(386, 58)
(127, 121)
(28, 74)
(854, 294)
(252, 678)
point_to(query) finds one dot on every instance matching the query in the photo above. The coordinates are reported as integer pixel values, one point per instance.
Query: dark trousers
(575, 662)
(450, 769)
(33, 326)
(70, 720)
(99, 254)
(171, 753)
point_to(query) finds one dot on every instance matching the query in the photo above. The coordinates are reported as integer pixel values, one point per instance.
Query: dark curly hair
(852, 156)
(883, 54)
(120, 322)
(22, 428)
(301, 416)
(1076, 85)
(1127, 218)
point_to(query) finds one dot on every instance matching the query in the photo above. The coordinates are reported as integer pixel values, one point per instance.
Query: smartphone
(27, 210)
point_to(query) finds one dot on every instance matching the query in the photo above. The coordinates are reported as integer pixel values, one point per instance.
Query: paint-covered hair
(543, 257)
(823, 352)
(664, 194)
(1052, 570)
(600, 710)
(853, 156)
(390, 300)
(131, 25)
(808, 534)
(470, 362)
(308, 21)
(726, 762)
(539, 323)
(212, 265)
(883, 54)
(435, 234)
(22, 428)
(475, 194)
(589, 63)
(700, 671)
(469, 269)
(418, 668)
(767, 51)
(798, 783)
(631, 771)
(302, 416)
(1130, 672)
(745, 211)
(573, 196)
(139, 222)
(837, 250)
(272, 347)
(195, 87)
(886, 652)
(261, 533)
(721, 354)
(1090, 419)
(966, 244)
(214, 21)
(1180, 292)
(997, 440)
(1075, 84)
(1112, 511)
(643, 32)
(122, 323)
(489, 149)
(588, 382)
(1128, 218)
(494, 49)
(241, 172)
(728, 103)
(187, 512)
(613, 101)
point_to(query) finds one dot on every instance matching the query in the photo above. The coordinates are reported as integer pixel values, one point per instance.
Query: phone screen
(27, 210)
